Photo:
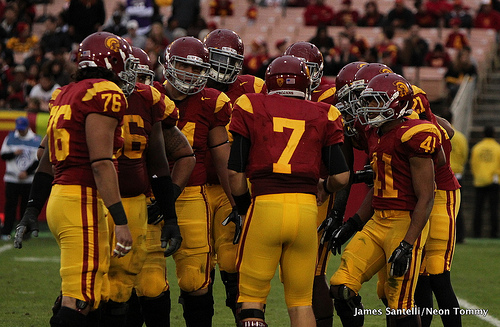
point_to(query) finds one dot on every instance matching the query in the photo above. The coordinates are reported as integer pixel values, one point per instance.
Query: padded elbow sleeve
(334, 159)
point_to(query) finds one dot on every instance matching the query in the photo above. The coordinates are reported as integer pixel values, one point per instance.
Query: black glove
(364, 176)
(154, 213)
(29, 223)
(170, 233)
(238, 221)
(330, 225)
(344, 233)
(400, 259)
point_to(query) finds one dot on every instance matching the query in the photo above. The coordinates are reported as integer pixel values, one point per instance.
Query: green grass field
(30, 283)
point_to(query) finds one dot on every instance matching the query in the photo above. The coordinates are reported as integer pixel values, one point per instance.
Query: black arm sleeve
(31, 169)
(334, 159)
(163, 191)
(40, 190)
(8, 155)
(239, 153)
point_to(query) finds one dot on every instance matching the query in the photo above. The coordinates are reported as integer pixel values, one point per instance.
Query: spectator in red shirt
(319, 14)
(221, 8)
(346, 14)
(438, 7)
(259, 54)
(456, 39)
(372, 16)
(487, 17)
(388, 46)
(437, 57)
(251, 11)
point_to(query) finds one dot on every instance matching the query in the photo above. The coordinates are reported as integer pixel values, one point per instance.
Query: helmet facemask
(128, 75)
(316, 73)
(187, 82)
(225, 65)
(376, 107)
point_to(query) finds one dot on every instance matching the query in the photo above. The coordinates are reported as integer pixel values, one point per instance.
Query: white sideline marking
(6, 247)
(489, 318)
(36, 259)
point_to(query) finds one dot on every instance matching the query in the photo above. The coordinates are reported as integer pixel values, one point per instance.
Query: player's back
(146, 106)
(69, 108)
(286, 136)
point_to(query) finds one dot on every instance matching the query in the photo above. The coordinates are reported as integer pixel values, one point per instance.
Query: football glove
(364, 176)
(238, 221)
(170, 233)
(330, 225)
(154, 213)
(29, 223)
(400, 259)
(344, 233)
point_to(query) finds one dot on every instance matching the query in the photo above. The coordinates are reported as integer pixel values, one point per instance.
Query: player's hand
(123, 241)
(344, 233)
(29, 223)
(322, 195)
(170, 233)
(238, 221)
(330, 225)
(364, 176)
(154, 213)
(400, 259)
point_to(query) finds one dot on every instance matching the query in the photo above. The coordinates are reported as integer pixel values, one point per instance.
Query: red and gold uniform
(393, 201)
(146, 106)
(283, 167)
(440, 245)
(220, 207)
(75, 210)
(198, 114)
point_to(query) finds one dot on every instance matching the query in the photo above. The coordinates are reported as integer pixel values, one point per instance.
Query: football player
(226, 49)
(83, 134)
(204, 113)
(278, 141)
(142, 164)
(322, 303)
(150, 303)
(402, 151)
(439, 247)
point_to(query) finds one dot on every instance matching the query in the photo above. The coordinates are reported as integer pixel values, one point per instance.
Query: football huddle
(218, 168)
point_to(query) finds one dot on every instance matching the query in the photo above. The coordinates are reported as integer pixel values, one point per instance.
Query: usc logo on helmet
(112, 43)
(402, 88)
(386, 70)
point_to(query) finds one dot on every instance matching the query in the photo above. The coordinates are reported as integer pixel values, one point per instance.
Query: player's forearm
(178, 148)
(220, 157)
(365, 211)
(237, 182)
(106, 181)
(419, 218)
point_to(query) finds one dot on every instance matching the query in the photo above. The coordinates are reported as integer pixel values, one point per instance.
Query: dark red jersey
(324, 93)
(69, 107)
(146, 106)
(390, 159)
(286, 137)
(198, 114)
(445, 178)
(244, 84)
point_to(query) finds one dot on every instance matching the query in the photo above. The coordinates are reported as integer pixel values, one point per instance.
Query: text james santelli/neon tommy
(421, 311)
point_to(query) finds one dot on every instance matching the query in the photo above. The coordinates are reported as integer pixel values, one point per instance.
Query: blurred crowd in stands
(35, 61)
